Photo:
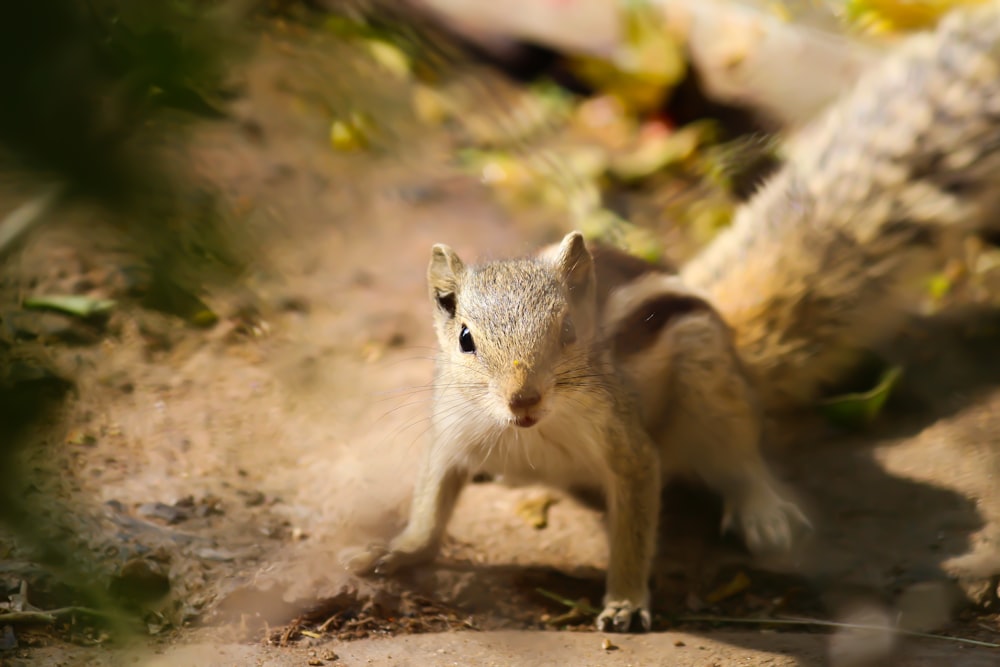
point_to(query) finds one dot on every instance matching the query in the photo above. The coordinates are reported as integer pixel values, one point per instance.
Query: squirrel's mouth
(525, 421)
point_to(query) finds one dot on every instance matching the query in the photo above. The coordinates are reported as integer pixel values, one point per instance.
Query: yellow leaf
(734, 586)
(351, 133)
(536, 510)
(429, 105)
(938, 286)
(646, 65)
(390, 57)
(900, 15)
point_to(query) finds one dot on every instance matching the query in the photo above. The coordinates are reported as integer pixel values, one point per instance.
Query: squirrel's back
(819, 265)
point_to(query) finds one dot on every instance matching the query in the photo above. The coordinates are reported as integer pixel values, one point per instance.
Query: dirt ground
(235, 464)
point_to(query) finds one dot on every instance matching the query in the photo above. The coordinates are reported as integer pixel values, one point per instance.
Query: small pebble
(8, 640)
(172, 514)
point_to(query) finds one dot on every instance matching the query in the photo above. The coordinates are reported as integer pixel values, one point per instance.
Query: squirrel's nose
(525, 398)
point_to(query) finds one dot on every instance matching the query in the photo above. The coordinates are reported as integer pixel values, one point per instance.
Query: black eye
(465, 340)
(568, 333)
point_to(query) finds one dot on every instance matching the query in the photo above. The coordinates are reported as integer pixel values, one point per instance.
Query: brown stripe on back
(637, 331)
(614, 267)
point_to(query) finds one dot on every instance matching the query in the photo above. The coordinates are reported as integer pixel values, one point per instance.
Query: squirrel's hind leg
(712, 427)
(698, 404)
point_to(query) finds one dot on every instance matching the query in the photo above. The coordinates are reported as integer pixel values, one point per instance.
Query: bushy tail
(819, 265)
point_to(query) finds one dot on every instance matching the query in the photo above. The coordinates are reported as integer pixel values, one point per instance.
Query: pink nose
(524, 399)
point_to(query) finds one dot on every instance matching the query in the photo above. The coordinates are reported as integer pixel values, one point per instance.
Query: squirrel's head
(514, 333)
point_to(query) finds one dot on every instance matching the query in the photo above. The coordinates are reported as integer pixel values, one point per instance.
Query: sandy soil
(237, 462)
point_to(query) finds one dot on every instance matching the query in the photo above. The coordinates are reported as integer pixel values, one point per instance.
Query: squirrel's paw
(624, 616)
(767, 521)
(381, 559)
(362, 560)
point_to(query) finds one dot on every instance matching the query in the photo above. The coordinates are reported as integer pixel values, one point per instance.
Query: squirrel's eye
(465, 340)
(568, 333)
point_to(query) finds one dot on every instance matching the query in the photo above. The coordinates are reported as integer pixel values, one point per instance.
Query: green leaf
(859, 409)
(71, 304)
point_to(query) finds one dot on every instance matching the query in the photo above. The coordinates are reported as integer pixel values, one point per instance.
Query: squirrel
(524, 389)
(593, 372)
(554, 400)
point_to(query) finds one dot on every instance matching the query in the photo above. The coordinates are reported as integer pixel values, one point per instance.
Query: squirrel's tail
(817, 267)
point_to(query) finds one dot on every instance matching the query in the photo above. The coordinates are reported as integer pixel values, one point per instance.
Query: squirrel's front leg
(633, 500)
(438, 485)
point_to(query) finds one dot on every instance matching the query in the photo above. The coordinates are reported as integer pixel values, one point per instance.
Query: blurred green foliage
(94, 94)
(84, 81)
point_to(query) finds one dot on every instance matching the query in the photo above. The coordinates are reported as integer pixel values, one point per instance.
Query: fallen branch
(752, 58)
(830, 624)
(805, 622)
(50, 616)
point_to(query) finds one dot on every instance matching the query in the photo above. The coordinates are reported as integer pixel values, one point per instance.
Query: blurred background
(215, 347)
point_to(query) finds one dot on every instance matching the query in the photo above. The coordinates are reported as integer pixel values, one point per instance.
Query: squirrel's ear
(442, 277)
(575, 263)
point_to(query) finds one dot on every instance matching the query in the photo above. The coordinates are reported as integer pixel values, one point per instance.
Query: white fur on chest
(565, 450)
